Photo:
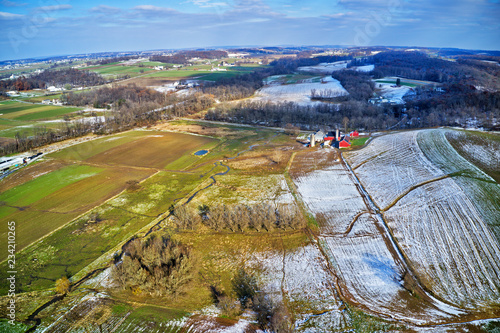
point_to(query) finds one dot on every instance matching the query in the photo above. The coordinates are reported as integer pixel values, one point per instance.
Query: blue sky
(31, 28)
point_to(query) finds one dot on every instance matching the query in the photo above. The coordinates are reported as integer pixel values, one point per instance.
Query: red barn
(344, 143)
(354, 133)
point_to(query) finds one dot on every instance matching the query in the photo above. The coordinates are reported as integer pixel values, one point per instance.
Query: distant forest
(183, 57)
(55, 77)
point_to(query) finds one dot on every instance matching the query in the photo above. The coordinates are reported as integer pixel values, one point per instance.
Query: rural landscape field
(280, 182)
(410, 258)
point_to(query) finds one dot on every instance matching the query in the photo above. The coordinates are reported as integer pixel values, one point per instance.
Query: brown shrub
(157, 265)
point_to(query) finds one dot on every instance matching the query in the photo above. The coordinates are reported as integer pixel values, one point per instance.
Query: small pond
(201, 152)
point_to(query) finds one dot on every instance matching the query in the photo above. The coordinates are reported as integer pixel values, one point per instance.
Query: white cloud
(103, 9)
(54, 8)
(339, 15)
(208, 3)
(151, 8)
(10, 16)
(8, 3)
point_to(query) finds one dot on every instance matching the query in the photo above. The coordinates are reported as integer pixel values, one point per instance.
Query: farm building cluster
(328, 139)
(11, 163)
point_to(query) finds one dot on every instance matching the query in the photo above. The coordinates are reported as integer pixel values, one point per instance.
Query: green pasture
(118, 69)
(23, 127)
(30, 112)
(412, 85)
(39, 99)
(177, 73)
(359, 141)
(71, 248)
(153, 63)
(44, 185)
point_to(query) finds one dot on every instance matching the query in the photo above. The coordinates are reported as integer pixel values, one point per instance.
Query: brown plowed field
(151, 151)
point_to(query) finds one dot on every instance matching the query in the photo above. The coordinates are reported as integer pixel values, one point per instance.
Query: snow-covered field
(369, 271)
(446, 227)
(302, 276)
(331, 193)
(477, 185)
(299, 93)
(480, 150)
(326, 67)
(448, 243)
(391, 164)
(392, 92)
(366, 68)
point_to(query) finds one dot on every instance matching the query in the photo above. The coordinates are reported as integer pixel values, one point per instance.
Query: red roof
(329, 138)
(354, 133)
(344, 144)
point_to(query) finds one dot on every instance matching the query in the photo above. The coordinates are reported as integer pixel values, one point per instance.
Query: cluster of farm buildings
(15, 162)
(328, 139)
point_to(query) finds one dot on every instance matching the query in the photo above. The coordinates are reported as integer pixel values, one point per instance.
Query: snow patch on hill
(299, 93)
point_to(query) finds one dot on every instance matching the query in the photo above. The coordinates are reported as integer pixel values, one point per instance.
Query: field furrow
(370, 272)
(447, 241)
(447, 227)
(332, 196)
(390, 165)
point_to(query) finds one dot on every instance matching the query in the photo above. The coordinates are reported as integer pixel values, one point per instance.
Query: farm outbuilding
(344, 143)
(319, 136)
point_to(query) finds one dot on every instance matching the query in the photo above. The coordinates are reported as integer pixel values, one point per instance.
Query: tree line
(183, 57)
(240, 218)
(114, 59)
(454, 110)
(306, 117)
(57, 78)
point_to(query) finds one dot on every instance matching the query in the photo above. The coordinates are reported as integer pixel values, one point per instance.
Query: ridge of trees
(453, 109)
(240, 218)
(58, 78)
(115, 59)
(183, 57)
(420, 66)
(358, 84)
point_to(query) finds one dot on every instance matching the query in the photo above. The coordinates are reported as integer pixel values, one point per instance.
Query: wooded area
(58, 78)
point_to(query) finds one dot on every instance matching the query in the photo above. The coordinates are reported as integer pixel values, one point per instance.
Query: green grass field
(40, 205)
(359, 141)
(24, 117)
(177, 73)
(39, 99)
(118, 69)
(153, 63)
(412, 85)
(204, 72)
